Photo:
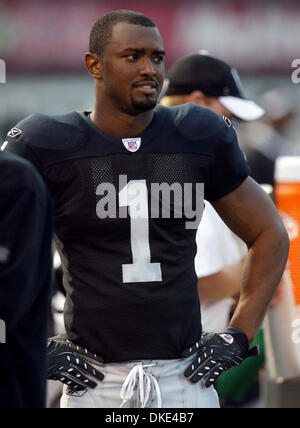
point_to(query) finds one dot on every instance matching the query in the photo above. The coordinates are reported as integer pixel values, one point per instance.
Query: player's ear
(196, 97)
(93, 64)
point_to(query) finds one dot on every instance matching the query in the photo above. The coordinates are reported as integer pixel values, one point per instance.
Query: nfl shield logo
(132, 144)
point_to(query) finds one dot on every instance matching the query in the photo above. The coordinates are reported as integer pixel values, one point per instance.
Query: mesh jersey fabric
(118, 319)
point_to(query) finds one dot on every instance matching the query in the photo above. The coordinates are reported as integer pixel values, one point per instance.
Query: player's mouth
(147, 87)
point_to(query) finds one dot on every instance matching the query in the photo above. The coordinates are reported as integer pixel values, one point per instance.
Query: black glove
(218, 352)
(66, 363)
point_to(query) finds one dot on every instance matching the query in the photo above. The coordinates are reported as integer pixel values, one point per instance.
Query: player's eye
(132, 57)
(158, 59)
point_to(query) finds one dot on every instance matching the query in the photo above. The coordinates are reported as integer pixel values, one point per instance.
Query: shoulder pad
(196, 123)
(63, 132)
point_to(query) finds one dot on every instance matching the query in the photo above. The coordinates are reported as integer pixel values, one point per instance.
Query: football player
(128, 181)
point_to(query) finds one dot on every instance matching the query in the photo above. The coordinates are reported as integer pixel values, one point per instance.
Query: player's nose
(147, 67)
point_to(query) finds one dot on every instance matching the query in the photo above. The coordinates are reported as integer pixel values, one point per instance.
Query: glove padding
(66, 363)
(218, 352)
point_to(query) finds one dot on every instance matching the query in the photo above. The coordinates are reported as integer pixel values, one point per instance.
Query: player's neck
(120, 124)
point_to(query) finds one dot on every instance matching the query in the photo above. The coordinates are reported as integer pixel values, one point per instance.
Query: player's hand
(67, 364)
(218, 352)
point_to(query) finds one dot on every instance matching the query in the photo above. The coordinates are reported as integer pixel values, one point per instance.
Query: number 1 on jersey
(135, 196)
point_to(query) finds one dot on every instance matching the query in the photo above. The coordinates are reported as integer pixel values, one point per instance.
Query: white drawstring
(146, 382)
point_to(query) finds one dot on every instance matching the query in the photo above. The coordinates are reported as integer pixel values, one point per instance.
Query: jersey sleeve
(230, 167)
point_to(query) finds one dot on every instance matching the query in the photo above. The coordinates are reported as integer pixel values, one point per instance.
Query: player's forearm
(265, 264)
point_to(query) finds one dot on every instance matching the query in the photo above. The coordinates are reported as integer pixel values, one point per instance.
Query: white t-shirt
(218, 247)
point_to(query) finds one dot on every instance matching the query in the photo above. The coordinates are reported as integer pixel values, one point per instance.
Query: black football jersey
(125, 214)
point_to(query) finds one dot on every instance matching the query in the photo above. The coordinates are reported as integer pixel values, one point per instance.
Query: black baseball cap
(214, 78)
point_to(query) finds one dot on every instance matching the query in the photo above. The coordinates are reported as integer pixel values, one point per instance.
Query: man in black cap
(25, 273)
(209, 82)
(212, 83)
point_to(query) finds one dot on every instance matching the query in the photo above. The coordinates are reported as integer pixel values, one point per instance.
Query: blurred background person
(212, 83)
(267, 140)
(25, 279)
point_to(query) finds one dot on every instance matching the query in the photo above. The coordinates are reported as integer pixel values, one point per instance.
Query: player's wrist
(239, 336)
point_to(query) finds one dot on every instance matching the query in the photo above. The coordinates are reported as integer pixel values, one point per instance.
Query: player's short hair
(102, 30)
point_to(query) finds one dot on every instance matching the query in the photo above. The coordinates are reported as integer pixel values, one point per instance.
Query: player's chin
(144, 103)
